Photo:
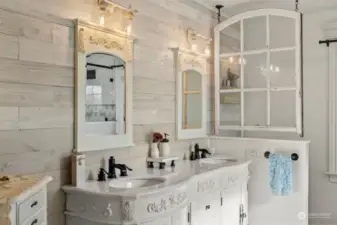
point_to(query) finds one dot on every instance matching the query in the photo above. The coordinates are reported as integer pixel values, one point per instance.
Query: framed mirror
(191, 73)
(103, 88)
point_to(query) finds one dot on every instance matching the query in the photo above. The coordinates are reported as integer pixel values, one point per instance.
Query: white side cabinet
(23, 201)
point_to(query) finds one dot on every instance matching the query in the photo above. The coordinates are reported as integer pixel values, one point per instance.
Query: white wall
(323, 197)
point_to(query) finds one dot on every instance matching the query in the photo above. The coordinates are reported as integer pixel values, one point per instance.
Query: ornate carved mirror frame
(89, 39)
(186, 60)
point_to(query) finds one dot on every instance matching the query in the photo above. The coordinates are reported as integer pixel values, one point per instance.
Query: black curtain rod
(328, 41)
(106, 67)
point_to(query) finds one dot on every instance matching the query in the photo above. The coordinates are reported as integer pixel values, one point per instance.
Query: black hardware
(208, 207)
(150, 165)
(35, 221)
(112, 170)
(162, 165)
(102, 174)
(192, 156)
(242, 214)
(188, 217)
(294, 156)
(221, 201)
(105, 67)
(34, 204)
(123, 168)
(219, 7)
(113, 166)
(204, 153)
(111, 80)
(173, 164)
(327, 42)
(197, 151)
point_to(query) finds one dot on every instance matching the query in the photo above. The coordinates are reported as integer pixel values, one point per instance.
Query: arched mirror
(105, 95)
(191, 75)
(103, 88)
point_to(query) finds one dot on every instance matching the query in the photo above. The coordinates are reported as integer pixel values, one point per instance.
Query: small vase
(154, 150)
(165, 149)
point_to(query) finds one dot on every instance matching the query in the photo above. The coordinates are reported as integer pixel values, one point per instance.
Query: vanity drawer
(31, 206)
(37, 219)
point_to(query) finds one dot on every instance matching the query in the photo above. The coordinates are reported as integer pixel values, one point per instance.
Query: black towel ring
(294, 156)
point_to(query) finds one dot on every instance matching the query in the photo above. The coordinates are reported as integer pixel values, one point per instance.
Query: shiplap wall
(36, 83)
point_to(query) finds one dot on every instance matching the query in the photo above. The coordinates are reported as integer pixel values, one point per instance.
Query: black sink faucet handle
(204, 153)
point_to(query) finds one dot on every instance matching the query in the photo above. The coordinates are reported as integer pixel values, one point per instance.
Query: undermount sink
(215, 161)
(124, 183)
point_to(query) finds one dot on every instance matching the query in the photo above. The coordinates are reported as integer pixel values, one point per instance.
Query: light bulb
(271, 67)
(277, 69)
(101, 20)
(128, 29)
(194, 47)
(207, 51)
(231, 60)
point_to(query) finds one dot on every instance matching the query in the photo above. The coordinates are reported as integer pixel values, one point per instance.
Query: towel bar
(294, 156)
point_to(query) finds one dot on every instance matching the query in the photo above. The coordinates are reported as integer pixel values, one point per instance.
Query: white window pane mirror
(191, 74)
(103, 88)
(258, 72)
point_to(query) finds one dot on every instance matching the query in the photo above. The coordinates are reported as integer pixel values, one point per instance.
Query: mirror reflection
(105, 95)
(192, 100)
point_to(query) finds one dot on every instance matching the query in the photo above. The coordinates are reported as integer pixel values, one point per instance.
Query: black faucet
(197, 151)
(112, 168)
(204, 153)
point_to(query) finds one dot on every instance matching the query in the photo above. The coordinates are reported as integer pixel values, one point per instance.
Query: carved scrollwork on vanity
(128, 210)
(206, 186)
(167, 203)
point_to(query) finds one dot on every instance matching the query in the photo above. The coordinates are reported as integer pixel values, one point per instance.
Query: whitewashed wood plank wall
(37, 81)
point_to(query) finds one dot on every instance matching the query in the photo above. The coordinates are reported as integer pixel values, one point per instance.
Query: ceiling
(232, 7)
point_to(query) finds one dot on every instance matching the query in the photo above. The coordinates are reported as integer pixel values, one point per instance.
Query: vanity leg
(162, 165)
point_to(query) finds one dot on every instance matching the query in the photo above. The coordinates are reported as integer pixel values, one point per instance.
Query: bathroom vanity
(206, 191)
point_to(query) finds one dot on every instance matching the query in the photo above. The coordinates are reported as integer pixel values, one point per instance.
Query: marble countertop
(172, 177)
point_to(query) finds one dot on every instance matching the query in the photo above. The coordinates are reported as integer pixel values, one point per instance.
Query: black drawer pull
(208, 207)
(33, 204)
(34, 222)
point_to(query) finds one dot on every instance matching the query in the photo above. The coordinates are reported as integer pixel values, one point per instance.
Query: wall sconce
(193, 38)
(107, 7)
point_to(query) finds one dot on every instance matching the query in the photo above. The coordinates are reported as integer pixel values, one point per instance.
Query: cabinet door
(230, 209)
(182, 217)
(207, 210)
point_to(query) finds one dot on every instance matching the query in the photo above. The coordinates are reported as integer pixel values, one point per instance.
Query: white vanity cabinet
(234, 207)
(195, 194)
(206, 210)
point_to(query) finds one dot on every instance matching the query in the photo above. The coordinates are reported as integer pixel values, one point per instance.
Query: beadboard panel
(24, 72)
(153, 101)
(9, 46)
(45, 117)
(29, 95)
(152, 86)
(43, 52)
